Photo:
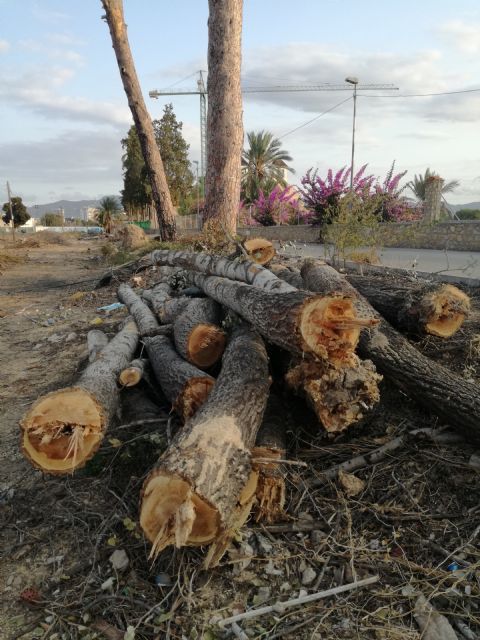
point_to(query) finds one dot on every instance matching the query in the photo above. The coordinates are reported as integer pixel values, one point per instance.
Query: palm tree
(108, 210)
(417, 185)
(263, 164)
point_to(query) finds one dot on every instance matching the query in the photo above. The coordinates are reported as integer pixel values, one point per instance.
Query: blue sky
(63, 111)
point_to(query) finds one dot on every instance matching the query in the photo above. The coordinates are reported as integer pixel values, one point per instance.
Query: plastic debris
(96, 321)
(453, 566)
(163, 580)
(111, 307)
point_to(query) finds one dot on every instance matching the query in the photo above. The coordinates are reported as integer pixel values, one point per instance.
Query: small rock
(308, 576)
(48, 323)
(374, 544)
(17, 582)
(54, 560)
(55, 337)
(71, 336)
(49, 620)
(270, 569)
(302, 593)
(107, 585)
(408, 590)
(37, 346)
(119, 560)
(264, 545)
(285, 586)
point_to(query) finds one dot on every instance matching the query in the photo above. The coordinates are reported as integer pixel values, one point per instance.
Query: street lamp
(353, 80)
(195, 162)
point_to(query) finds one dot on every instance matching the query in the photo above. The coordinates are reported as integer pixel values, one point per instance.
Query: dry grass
(44, 238)
(7, 260)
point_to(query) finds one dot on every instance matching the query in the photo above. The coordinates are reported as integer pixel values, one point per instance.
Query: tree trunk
(192, 495)
(417, 307)
(136, 406)
(293, 277)
(185, 386)
(197, 333)
(96, 341)
(259, 250)
(296, 321)
(224, 119)
(143, 123)
(131, 375)
(438, 389)
(63, 429)
(146, 322)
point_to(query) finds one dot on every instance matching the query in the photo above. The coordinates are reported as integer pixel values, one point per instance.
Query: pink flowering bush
(280, 206)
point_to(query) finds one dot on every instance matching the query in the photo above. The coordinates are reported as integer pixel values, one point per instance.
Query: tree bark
(96, 341)
(63, 429)
(197, 333)
(143, 123)
(224, 118)
(417, 307)
(293, 277)
(131, 375)
(438, 389)
(185, 386)
(296, 321)
(146, 322)
(192, 495)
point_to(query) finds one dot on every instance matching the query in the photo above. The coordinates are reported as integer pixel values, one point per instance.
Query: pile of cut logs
(204, 330)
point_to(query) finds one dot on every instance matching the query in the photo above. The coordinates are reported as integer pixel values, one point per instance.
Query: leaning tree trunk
(224, 120)
(452, 398)
(191, 496)
(296, 321)
(63, 429)
(185, 386)
(197, 333)
(417, 307)
(143, 123)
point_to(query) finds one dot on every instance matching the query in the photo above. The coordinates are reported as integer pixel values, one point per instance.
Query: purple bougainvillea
(281, 206)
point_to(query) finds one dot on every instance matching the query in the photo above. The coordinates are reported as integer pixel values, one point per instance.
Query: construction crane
(202, 92)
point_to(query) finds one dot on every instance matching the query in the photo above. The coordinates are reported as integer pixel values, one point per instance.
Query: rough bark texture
(197, 333)
(224, 119)
(185, 386)
(295, 321)
(143, 123)
(417, 307)
(293, 277)
(63, 429)
(96, 341)
(131, 375)
(193, 493)
(136, 405)
(452, 398)
(146, 322)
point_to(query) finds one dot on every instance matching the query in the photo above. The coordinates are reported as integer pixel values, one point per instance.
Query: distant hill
(469, 205)
(72, 208)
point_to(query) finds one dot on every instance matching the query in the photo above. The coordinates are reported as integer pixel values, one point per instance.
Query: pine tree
(137, 192)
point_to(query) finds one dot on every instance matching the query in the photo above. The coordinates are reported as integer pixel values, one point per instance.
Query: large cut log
(63, 429)
(146, 322)
(191, 496)
(259, 250)
(131, 375)
(293, 277)
(339, 396)
(296, 321)
(185, 386)
(197, 333)
(417, 307)
(96, 341)
(449, 396)
(164, 304)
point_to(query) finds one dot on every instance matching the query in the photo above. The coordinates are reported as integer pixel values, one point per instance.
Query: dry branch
(131, 375)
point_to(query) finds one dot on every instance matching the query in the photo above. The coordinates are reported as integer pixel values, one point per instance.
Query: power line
(315, 118)
(419, 95)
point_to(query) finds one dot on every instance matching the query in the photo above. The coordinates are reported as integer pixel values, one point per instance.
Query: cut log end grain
(62, 430)
(259, 250)
(446, 309)
(130, 376)
(205, 345)
(193, 396)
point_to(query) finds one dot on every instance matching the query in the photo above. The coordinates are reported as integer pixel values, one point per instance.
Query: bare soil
(415, 523)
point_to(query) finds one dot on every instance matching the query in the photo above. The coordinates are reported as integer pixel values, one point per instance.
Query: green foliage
(137, 193)
(469, 214)
(52, 220)
(263, 165)
(107, 212)
(417, 185)
(20, 213)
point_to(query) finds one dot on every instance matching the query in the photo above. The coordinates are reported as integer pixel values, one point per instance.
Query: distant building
(89, 214)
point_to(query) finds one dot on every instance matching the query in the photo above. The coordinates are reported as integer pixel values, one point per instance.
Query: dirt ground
(415, 523)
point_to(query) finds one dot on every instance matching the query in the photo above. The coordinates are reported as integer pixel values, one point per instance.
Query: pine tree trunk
(143, 123)
(438, 389)
(191, 497)
(63, 429)
(197, 333)
(224, 119)
(185, 386)
(417, 307)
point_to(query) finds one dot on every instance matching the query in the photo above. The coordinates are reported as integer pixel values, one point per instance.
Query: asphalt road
(455, 263)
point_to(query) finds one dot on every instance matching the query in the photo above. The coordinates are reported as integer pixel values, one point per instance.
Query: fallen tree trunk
(292, 277)
(338, 396)
(418, 307)
(193, 493)
(197, 333)
(165, 305)
(259, 250)
(185, 386)
(63, 429)
(296, 321)
(439, 390)
(146, 321)
(96, 341)
(131, 375)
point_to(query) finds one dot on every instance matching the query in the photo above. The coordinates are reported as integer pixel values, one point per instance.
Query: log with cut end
(131, 375)
(192, 495)
(63, 429)
(185, 386)
(417, 307)
(96, 341)
(270, 447)
(438, 389)
(297, 321)
(146, 321)
(341, 396)
(197, 333)
(292, 276)
(164, 304)
(259, 250)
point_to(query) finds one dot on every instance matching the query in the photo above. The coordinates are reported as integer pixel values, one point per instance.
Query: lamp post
(353, 80)
(195, 162)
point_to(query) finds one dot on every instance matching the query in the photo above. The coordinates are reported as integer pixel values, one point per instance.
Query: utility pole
(11, 211)
(353, 80)
(195, 162)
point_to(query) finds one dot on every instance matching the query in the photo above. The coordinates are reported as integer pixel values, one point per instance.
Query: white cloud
(4, 46)
(465, 36)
